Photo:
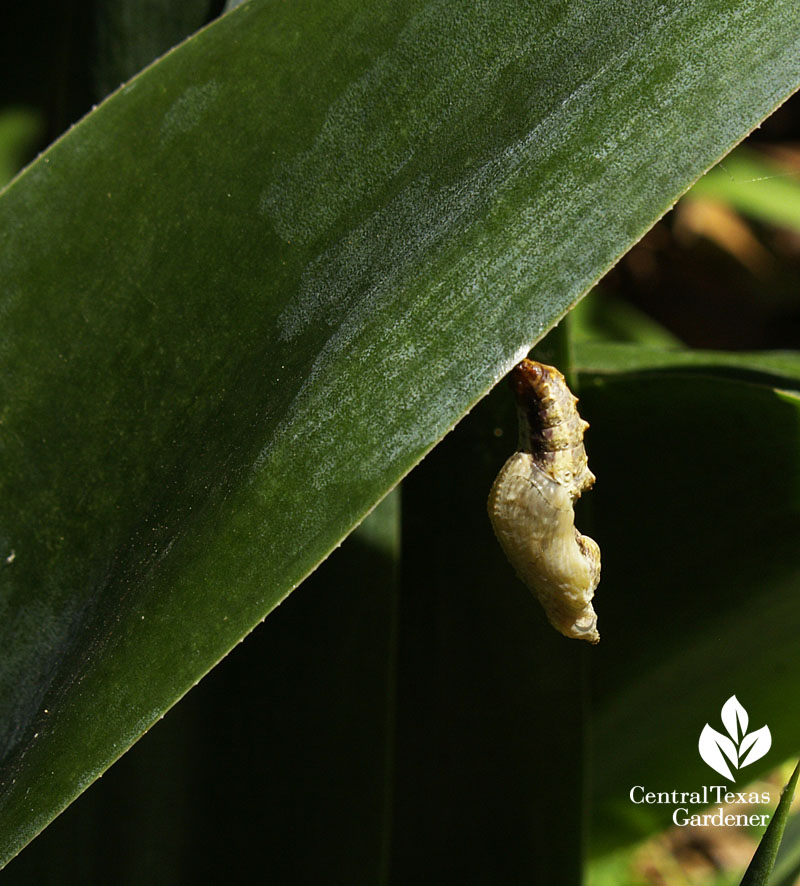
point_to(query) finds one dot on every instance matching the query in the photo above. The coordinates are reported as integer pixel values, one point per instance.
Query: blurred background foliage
(187, 803)
(721, 272)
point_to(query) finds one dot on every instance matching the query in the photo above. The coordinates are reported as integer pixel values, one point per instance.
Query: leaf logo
(741, 748)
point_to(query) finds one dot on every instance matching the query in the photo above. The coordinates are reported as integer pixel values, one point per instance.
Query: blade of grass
(787, 865)
(760, 868)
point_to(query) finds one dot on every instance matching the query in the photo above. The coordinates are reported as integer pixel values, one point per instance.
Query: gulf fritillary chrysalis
(531, 502)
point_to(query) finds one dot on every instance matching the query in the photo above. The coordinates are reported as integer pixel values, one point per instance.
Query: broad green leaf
(760, 868)
(250, 291)
(279, 761)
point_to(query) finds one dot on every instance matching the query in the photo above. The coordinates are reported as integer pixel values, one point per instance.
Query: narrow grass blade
(757, 874)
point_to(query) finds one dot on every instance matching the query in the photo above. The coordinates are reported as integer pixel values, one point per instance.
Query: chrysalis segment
(531, 502)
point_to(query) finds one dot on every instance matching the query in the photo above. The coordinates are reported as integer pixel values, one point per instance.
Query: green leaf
(759, 869)
(285, 747)
(248, 293)
(780, 369)
(604, 318)
(787, 862)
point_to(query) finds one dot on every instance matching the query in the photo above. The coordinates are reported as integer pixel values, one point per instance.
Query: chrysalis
(531, 502)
